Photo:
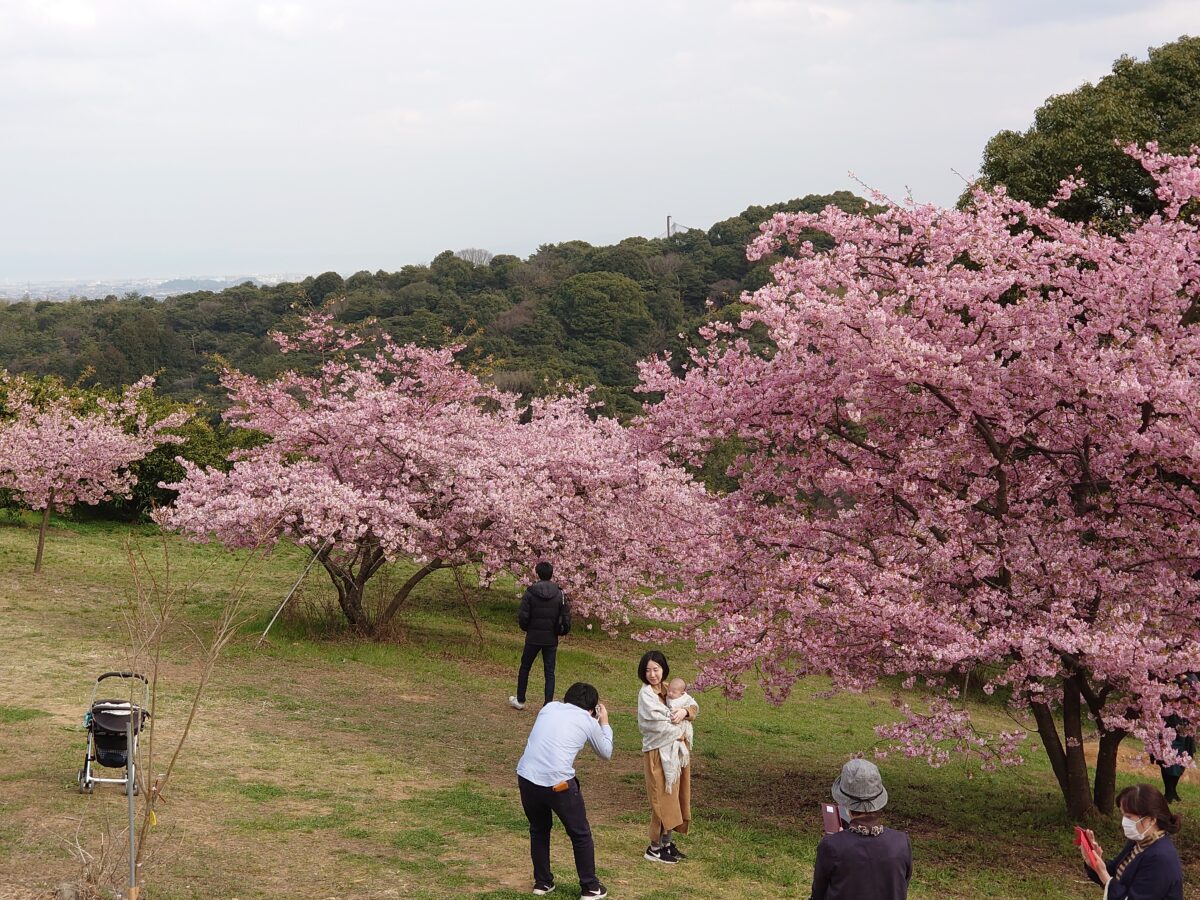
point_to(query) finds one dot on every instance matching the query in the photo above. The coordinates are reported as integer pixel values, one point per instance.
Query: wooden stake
(37, 563)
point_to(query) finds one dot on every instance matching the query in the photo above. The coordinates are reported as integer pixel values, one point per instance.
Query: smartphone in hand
(1081, 840)
(830, 820)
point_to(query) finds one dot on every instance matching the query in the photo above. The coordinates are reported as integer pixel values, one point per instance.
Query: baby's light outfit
(677, 753)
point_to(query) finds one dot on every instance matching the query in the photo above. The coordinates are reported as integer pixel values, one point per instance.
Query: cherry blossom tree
(393, 450)
(71, 449)
(968, 450)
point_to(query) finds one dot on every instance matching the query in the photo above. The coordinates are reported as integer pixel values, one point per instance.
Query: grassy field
(322, 766)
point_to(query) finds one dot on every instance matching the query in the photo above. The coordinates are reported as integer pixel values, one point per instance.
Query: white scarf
(660, 733)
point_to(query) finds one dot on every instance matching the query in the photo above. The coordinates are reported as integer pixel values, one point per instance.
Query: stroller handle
(123, 675)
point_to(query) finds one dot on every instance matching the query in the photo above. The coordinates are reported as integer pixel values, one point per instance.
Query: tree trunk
(350, 595)
(367, 559)
(1066, 757)
(1105, 793)
(350, 599)
(1078, 794)
(405, 589)
(1048, 731)
(37, 563)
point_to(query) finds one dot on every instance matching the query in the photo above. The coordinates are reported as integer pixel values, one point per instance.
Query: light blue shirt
(558, 735)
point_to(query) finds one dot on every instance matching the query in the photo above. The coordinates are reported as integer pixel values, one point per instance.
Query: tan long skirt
(669, 812)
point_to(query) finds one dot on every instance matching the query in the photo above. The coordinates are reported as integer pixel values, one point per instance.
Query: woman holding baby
(665, 714)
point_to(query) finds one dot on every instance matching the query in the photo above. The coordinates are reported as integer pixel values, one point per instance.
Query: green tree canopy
(325, 285)
(571, 312)
(602, 305)
(1157, 99)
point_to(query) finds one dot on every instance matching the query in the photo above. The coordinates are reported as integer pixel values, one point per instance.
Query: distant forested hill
(570, 312)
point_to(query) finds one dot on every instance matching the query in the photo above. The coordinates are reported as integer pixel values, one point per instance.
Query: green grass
(467, 809)
(258, 791)
(10, 715)
(328, 766)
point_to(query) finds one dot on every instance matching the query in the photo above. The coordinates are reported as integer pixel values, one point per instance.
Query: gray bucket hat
(860, 787)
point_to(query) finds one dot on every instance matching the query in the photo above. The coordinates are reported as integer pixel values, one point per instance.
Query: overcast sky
(222, 137)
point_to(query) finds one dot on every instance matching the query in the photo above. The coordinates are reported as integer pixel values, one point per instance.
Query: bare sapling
(158, 631)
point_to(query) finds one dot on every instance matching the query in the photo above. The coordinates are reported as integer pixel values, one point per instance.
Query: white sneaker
(515, 703)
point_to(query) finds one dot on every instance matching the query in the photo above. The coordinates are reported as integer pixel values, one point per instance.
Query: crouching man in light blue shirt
(546, 779)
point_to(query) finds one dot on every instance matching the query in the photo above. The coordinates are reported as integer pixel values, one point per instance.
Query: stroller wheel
(85, 787)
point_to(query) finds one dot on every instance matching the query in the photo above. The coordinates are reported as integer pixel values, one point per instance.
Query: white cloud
(395, 121)
(69, 79)
(285, 18)
(294, 20)
(475, 110)
(70, 14)
(797, 11)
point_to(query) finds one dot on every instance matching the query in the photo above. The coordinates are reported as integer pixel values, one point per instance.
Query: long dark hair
(653, 656)
(1146, 800)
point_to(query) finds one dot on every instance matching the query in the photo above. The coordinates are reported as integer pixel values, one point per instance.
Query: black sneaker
(540, 888)
(659, 854)
(675, 851)
(599, 892)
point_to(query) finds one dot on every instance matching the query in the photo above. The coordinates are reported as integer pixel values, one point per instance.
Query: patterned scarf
(867, 826)
(1137, 849)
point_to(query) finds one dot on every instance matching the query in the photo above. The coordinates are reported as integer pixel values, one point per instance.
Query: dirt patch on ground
(18, 892)
(1132, 760)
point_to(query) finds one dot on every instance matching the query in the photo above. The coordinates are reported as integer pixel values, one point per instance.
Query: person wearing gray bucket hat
(865, 860)
(860, 787)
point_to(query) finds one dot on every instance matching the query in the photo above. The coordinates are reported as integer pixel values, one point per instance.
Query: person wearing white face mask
(1148, 867)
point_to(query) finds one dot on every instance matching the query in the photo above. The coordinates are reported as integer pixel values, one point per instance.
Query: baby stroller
(106, 722)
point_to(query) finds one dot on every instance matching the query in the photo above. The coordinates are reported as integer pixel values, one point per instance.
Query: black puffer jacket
(538, 616)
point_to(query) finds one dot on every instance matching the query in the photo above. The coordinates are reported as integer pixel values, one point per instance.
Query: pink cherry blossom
(67, 451)
(392, 451)
(970, 448)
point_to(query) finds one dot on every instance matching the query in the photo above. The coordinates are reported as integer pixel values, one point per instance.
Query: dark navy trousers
(541, 804)
(549, 657)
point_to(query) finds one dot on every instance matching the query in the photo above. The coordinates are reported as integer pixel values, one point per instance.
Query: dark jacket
(853, 866)
(1184, 743)
(538, 616)
(1155, 874)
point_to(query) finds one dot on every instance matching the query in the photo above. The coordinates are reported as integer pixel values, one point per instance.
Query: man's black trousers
(527, 657)
(539, 803)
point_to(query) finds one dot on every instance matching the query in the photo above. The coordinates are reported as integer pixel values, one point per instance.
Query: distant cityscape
(17, 291)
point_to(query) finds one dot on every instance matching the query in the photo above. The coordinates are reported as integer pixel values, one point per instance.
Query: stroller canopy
(113, 716)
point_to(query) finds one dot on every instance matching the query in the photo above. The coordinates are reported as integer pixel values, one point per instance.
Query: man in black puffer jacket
(544, 616)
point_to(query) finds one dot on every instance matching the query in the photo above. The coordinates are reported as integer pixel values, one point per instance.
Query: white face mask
(1130, 827)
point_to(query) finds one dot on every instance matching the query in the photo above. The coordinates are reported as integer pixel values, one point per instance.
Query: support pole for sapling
(316, 556)
(130, 781)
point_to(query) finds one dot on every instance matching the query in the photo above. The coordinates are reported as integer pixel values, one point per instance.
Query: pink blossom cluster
(393, 450)
(67, 450)
(971, 445)
(946, 729)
